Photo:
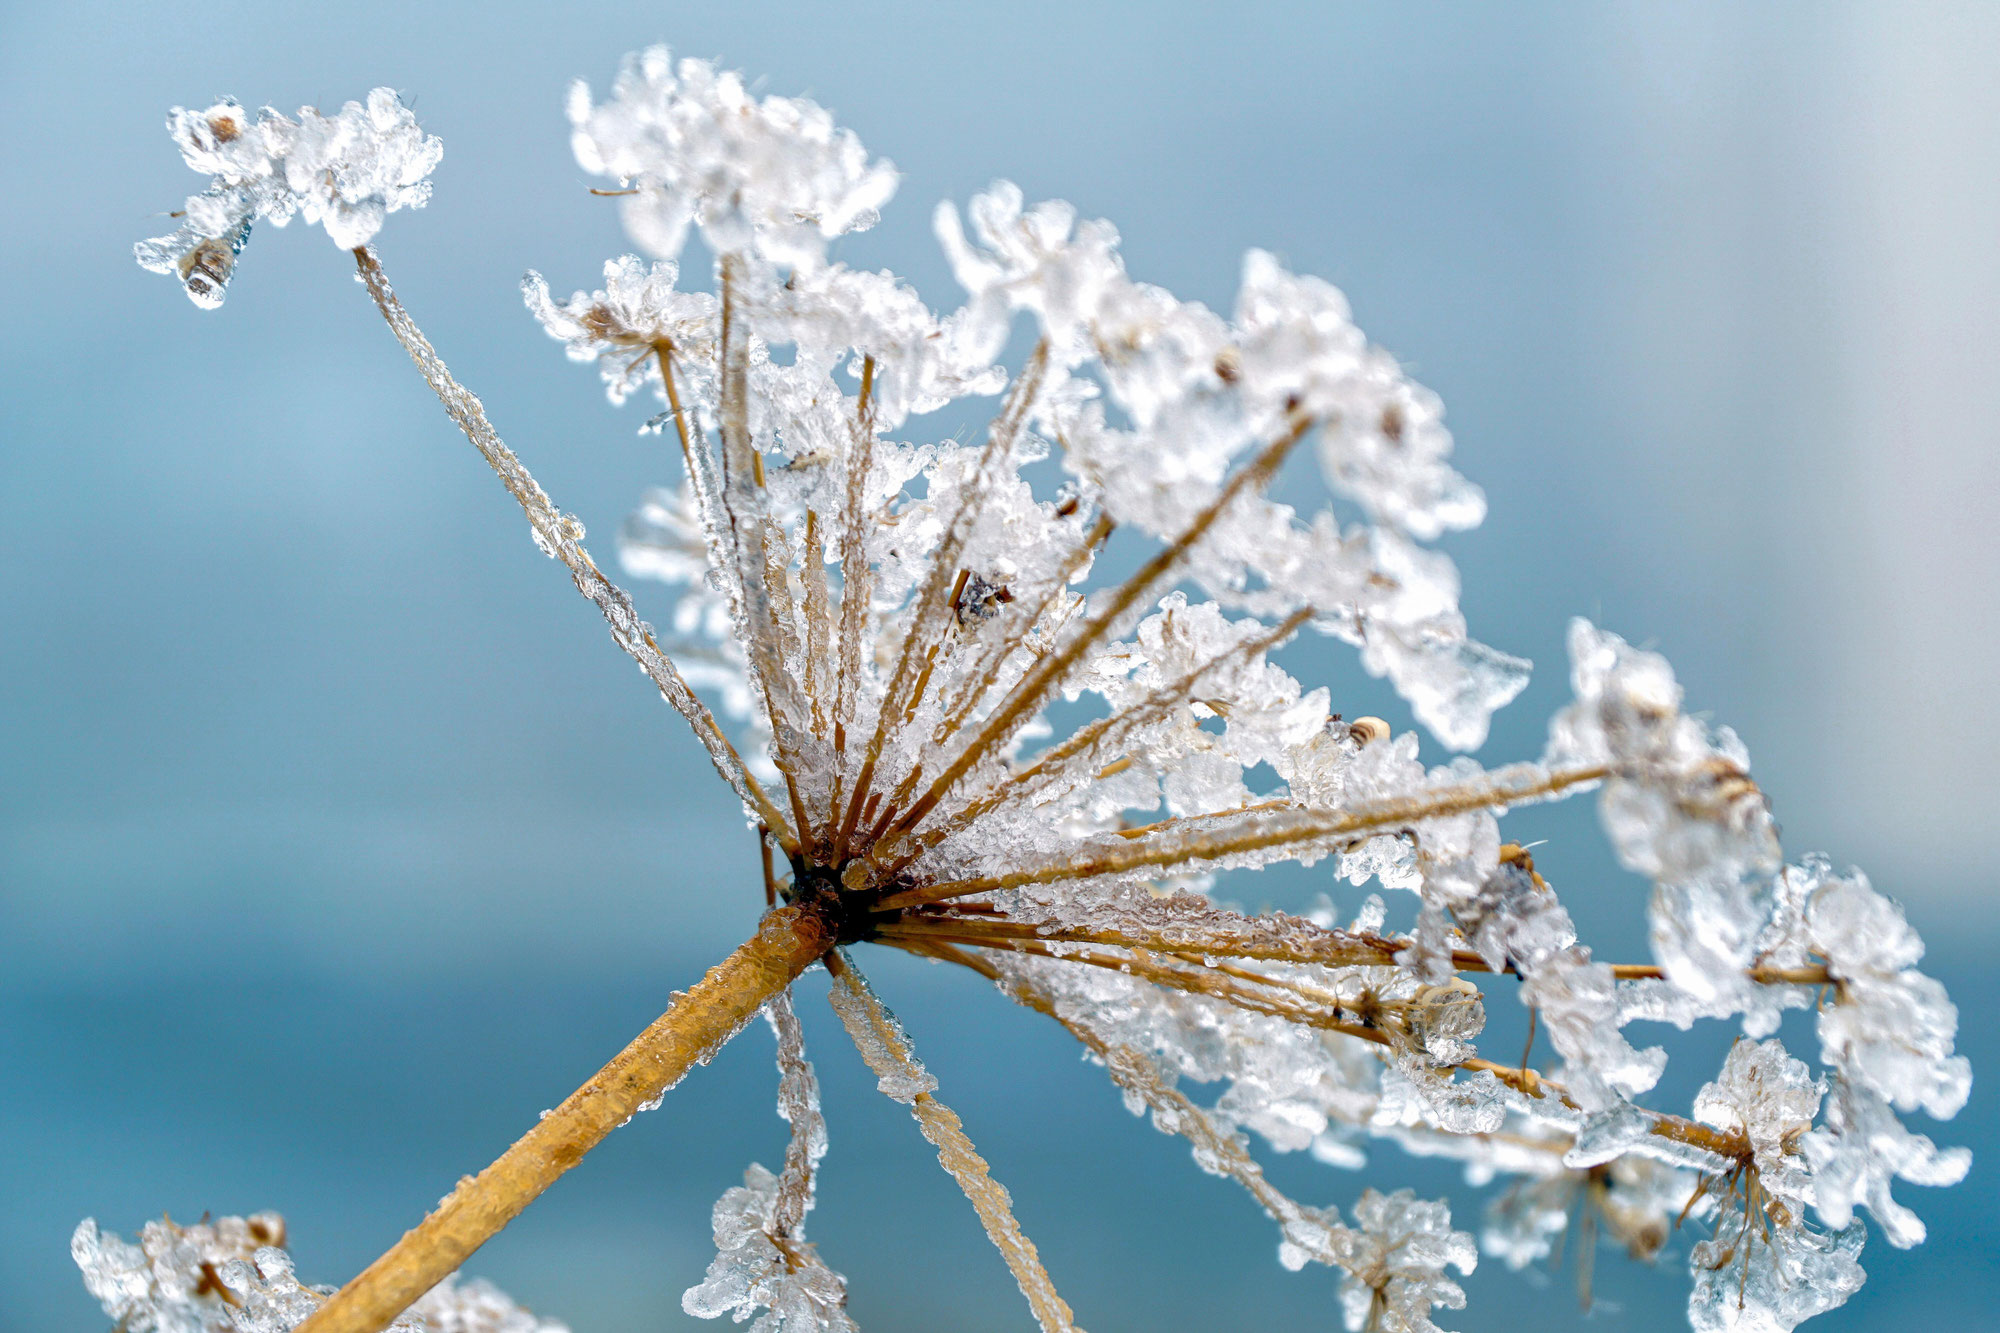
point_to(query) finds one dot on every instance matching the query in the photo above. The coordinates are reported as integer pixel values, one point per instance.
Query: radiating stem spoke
(886, 1048)
(559, 536)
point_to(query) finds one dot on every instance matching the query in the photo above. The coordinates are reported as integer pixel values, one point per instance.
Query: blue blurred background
(336, 840)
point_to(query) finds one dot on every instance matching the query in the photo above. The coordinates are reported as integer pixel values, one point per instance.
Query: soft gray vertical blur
(336, 839)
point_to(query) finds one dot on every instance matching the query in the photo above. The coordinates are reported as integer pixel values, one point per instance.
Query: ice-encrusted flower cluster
(345, 172)
(895, 616)
(233, 1275)
(775, 173)
(1402, 1246)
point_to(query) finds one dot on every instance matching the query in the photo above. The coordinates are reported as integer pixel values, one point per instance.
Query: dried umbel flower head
(887, 613)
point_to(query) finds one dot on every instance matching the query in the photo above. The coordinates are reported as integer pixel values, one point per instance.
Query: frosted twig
(899, 717)
(1272, 829)
(1309, 1230)
(1090, 744)
(798, 1103)
(929, 614)
(787, 942)
(886, 1048)
(559, 535)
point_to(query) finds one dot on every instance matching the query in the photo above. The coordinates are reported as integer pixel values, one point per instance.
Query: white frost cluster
(776, 174)
(232, 1275)
(345, 172)
(755, 1273)
(1403, 1245)
(894, 616)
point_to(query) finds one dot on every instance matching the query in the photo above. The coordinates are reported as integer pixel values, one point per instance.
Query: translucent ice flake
(477, 1306)
(346, 172)
(1891, 1028)
(1396, 1267)
(1860, 1150)
(760, 1271)
(1037, 259)
(1748, 1279)
(1383, 442)
(1679, 804)
(232, 1275)
(351, 170)
(172, 1280)
(774, 175)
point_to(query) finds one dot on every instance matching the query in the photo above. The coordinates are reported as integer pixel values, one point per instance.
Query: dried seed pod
(1368, 730)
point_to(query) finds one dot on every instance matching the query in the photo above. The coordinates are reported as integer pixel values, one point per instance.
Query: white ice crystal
(1891, 1028)
(639, 313)
(776, 174)
(1401, 1249)
(1678, 804)
(345, 172)
(1860, 1149)
(1766, 1270)
(755, 1271)
(1747, 1281)
(1019, 699)
(232, 1275)
(1768, 1097)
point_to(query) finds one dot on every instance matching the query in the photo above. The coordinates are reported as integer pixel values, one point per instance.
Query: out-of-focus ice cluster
(345, 172)
(233, 1275)
(894, 614)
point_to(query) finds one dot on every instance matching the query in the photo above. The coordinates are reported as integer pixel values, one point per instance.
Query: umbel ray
(871, 626)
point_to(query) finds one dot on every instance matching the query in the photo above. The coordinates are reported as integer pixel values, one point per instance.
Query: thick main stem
(786, 943)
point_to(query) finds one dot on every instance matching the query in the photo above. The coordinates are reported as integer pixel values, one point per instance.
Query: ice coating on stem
(763, 1265)
(902, 1077)
(346, 172)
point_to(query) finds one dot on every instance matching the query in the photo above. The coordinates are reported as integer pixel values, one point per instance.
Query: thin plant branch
(697, 1024)
(884, 1045)
(560, 536)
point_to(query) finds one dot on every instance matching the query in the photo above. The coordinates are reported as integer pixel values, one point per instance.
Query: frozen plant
(886, 612)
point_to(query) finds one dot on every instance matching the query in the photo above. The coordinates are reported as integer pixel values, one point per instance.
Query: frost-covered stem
(1216, 1149)
(854, 587)
(930, 611)
(786, 943)
(555, 534)
(886, 1048)
(1330, 948)
(744, 504)
(1725, 1146)
(1004, 645)
(1500, 788)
